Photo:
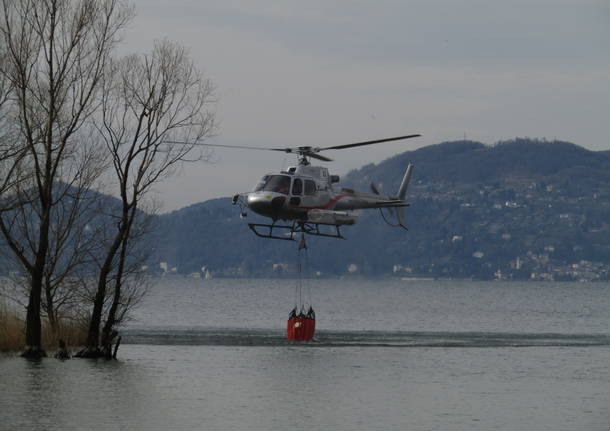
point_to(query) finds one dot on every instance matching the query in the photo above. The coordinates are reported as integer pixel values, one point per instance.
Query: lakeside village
(582, 271)
(514, 230)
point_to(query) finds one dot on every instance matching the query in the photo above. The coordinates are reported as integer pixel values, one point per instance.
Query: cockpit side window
(297, 187)
(274, 183)
(310, 187)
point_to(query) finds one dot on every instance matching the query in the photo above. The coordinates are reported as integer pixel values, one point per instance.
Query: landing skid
(266, 230)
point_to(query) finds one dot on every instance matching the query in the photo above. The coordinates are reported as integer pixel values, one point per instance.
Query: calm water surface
(389, 355)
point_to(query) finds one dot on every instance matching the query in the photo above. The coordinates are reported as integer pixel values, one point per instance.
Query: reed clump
(12, 331)
(12, 336)
(73, 332)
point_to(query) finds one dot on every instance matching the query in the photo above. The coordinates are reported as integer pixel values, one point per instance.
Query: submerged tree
(55, 55)
(69, 113)
(148, 103)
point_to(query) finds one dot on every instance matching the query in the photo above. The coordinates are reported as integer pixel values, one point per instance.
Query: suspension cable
(302, 272)
(307, 278)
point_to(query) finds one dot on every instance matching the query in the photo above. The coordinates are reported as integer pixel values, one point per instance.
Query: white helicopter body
(308, 197)
(309, 194)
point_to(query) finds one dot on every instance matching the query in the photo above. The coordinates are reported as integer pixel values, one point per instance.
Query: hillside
(467, 162)
(519, 209)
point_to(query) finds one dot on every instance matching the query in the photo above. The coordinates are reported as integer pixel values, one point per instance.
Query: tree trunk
(92, 349)
(107, 331)
(111, 320)
(33, 325)
(93, 336)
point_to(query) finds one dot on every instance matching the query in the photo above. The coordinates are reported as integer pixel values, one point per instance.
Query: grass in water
(12, 337)
(12, 332)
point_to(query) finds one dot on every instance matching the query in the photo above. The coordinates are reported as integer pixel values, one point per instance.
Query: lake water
(388, 355)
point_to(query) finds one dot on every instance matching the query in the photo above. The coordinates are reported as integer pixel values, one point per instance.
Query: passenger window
(310, 187)
(297, 187)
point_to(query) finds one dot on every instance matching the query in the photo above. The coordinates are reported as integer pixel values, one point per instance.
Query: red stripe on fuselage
(323, 207)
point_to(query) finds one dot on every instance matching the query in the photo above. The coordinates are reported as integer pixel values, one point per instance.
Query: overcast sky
(291, 73)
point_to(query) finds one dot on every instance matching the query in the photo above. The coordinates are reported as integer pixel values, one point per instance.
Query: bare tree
(147, 101)
(73, 243)
(74, 240)
(56, 53)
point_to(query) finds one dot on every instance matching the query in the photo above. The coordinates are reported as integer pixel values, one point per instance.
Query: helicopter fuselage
(309, 194)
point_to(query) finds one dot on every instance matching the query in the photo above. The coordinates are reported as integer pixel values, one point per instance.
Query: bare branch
(146, 101)
(54, 54)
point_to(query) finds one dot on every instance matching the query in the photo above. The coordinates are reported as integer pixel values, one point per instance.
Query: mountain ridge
(520, 209)
(468, 161)
(477, 210)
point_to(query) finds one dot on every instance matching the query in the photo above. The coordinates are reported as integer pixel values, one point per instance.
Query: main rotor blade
(359, 144)
(319, 157)
(201, 144)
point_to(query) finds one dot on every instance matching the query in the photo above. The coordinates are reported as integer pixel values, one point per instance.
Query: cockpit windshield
(274, 183)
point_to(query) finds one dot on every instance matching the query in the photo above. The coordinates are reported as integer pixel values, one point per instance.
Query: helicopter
(308, 200)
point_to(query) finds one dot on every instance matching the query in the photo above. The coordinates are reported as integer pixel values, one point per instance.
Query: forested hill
(465, 162)
(520, 209)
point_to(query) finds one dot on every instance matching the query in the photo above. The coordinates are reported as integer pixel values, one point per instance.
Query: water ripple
(259, 337)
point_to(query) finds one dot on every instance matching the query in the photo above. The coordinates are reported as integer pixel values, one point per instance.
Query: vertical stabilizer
(402, 193)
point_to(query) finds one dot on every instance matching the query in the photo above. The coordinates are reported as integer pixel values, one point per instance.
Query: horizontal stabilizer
(392, 204)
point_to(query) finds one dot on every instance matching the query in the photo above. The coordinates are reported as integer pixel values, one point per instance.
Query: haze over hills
(519, 209)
